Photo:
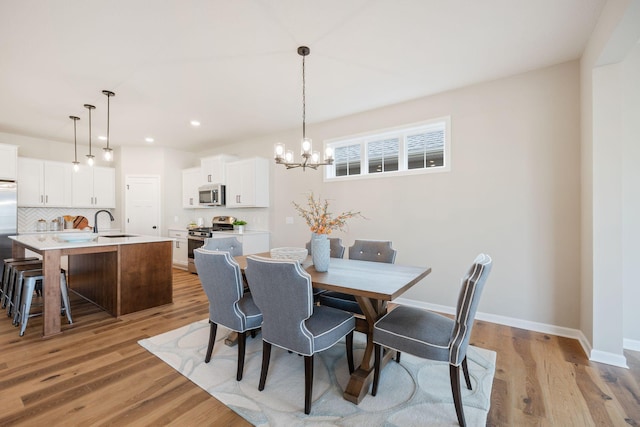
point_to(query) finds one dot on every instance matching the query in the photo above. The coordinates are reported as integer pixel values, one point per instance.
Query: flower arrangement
(319, 219)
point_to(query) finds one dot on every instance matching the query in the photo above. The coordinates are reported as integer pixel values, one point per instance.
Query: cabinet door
(248, 183)
(82, 187)
(8, 162)
(30, 182)
(104, 187)
(57, 184)
(212, 169)
(190, 182)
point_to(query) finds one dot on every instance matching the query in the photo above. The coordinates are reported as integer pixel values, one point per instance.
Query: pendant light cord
(304, 106)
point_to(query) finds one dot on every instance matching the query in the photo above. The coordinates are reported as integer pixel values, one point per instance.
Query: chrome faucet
(95, 219)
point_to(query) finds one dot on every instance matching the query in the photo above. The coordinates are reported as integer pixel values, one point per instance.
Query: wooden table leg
(358, 385)
(51, 292)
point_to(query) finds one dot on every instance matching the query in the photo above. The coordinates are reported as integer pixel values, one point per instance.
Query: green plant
(239, 222)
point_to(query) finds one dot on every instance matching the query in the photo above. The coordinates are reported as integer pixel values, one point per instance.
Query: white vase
(320, 251)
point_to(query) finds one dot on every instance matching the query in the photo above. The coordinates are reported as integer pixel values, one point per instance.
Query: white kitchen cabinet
(190, 183)
(248, 183)
(253, 242)
(44, 183)
(94, 187)
(212, 169)
(179, 247)
(8, 162)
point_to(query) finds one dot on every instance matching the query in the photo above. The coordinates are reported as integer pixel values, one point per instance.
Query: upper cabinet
(248, 183)
(190, 183)
(8, 162)
(212, 169)
(44, 183)
(94, 187)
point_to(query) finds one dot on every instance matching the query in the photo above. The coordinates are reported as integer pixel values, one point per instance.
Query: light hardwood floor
(95, 373)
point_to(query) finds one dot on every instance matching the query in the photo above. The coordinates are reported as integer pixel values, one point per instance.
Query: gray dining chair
(336, 249)
(282, 291)
(229, 305)
(362, 250)
(228, 244)
(432, 336)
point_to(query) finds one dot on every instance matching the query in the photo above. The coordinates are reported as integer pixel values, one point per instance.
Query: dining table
(374, 285)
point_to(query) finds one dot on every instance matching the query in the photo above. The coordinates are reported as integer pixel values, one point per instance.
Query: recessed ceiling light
(195, 123)
(149, 139)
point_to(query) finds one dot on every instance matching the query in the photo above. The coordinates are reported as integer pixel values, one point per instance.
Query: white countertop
(48, 241)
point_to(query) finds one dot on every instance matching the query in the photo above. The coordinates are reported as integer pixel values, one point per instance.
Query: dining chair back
(229, 244)
(336, 249)
(432, 336)
(282, 291)
(362, 250)
(229, 305)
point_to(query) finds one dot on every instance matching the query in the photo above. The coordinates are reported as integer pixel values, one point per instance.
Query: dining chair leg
(308, 383)
(465, 370)
(242, 340)
(398, 354)
(349, 341)
(377, 351)
(212, 340)
(266, 355)
(454, 373)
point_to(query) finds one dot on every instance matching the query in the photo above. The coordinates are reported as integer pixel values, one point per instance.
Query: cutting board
(80, 222)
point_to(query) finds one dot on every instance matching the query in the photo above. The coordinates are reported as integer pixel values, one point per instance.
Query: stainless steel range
(198, 236)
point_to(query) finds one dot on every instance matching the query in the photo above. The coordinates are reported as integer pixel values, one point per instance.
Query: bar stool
(6, 266)
(10, 283)
(28, 288)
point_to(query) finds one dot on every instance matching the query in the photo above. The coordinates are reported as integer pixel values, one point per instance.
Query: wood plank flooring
(95, 373)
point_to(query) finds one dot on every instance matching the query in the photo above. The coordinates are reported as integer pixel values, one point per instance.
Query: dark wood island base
(133, 278)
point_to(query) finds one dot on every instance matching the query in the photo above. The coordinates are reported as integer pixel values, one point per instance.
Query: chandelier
(310, 158)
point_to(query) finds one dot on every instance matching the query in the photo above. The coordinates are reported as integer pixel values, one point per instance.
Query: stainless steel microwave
(211, 195)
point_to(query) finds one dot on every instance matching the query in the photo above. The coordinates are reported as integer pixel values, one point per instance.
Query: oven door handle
(199, 238)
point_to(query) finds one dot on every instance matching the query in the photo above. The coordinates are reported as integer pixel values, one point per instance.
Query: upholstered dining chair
(229, 305)
(228, 244)
(362, 250)
(336, 249)
(433, 336)
(282, 291)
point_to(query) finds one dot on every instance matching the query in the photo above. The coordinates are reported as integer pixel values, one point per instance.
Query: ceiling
(233, 65)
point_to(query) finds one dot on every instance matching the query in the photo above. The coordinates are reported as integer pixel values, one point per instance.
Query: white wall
(513, 192)
(631, 196)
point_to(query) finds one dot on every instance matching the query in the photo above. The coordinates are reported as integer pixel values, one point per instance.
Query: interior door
(142, 205)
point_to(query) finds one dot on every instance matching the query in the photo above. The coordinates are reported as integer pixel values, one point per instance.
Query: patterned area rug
(415, 392)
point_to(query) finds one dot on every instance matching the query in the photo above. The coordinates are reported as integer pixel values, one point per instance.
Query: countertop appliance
(197, 236)
(211, 195)
(8, 216)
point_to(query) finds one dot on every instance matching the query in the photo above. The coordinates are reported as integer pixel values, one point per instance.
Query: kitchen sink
(119, 235)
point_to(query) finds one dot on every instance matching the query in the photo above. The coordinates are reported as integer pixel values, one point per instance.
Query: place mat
(415, 392)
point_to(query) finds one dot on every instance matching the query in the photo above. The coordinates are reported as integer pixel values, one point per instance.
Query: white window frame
(398, 131)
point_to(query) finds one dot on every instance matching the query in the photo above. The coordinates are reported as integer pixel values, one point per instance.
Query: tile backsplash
(27, 217)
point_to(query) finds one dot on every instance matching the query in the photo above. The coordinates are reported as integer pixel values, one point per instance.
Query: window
(410, 149)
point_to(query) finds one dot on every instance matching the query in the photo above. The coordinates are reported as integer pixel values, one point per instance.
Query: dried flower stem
(318, 217)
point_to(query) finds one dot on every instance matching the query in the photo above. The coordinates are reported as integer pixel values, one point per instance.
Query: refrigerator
(8, 216)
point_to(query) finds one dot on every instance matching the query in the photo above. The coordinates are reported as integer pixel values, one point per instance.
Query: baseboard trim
(630, 344)
(595, 355)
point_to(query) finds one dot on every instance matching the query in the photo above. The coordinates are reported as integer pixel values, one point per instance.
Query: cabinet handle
(41, 198)
(96, 198)
(209, 178)
(191, 201)
(177, 245)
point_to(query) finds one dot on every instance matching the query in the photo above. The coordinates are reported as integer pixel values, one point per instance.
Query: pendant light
(311, 159)
(76, 163)
(108, 152)
(90, 156)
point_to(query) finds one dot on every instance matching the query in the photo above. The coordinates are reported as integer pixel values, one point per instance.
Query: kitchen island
(120, 273)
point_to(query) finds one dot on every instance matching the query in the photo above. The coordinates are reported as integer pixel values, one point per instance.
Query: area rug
(415, 392)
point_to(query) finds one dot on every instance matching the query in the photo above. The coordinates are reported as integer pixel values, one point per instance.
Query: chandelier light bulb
(306, 146)
(279, 150)
(288, 157)
(328, 153)
(315, 157)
